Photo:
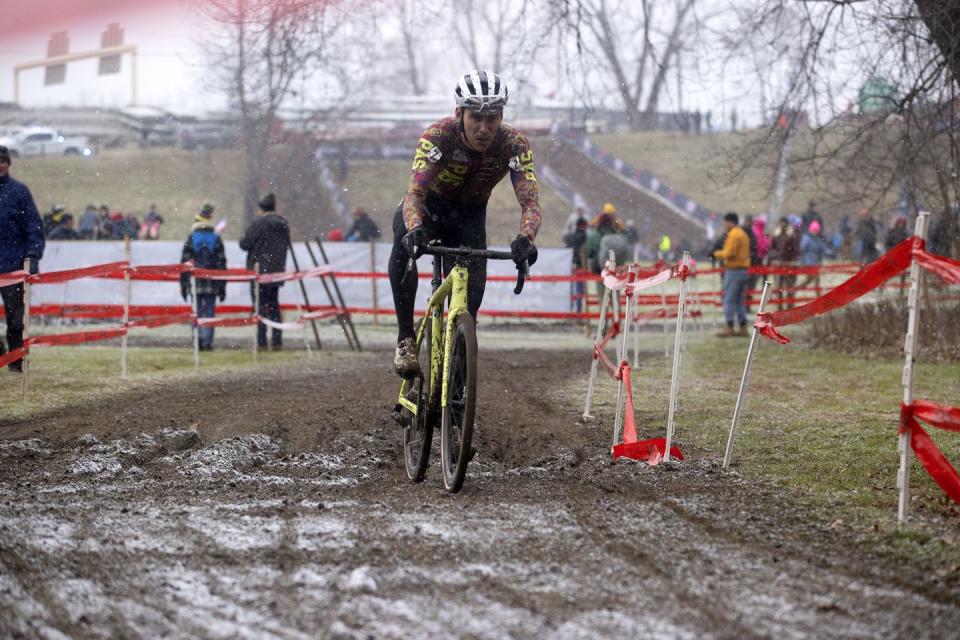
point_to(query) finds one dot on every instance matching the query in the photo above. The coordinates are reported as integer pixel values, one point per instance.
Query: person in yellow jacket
(735, 255)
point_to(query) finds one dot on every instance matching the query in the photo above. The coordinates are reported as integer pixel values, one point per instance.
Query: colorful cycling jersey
(444, 167)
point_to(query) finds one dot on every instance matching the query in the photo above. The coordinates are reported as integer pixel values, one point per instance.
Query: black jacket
(266, 241)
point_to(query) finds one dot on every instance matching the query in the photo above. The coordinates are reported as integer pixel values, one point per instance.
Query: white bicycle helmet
(481, 91)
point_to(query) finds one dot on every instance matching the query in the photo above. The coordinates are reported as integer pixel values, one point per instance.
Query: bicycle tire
(418, 433)
(456, 424)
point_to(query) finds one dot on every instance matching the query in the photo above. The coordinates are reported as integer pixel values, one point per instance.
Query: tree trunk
(942, 18)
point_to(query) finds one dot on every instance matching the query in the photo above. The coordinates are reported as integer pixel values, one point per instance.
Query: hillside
(700, 167)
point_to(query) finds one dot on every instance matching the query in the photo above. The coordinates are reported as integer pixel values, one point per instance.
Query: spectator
(204, 249)
(663, 249)
(105, 226)
(575, 240)
(150, 230)
(755, 260)
(21, 238)
(363, 229)
(940, 240)
(897, 233)
(811, 214)
(131, 226)
(596, 254)
(571, 225)
(266, 241)
(865, 238)
(784, 252)
(64, 230)
(52, 219)
(118, 226)
(845, 230)
(761, 237)
(735, 255)
(89, 220)
(813, 249)
(335, 235)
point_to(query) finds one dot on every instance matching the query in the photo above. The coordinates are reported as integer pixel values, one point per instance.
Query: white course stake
(622, 353)
(746, 378)
(601, 322)
(25, 362)
(910, 355)
(666, 331)
(677, 345)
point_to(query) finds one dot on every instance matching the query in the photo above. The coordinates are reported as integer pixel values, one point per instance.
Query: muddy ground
(273, 504)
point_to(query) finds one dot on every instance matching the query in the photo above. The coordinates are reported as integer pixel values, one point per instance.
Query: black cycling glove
(523, 250)
(415, 242)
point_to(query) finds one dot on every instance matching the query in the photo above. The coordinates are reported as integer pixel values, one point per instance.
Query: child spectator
(204, 249)
(64, 230)
(150, 230)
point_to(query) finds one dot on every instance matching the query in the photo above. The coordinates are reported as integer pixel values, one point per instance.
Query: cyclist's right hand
(415, 241)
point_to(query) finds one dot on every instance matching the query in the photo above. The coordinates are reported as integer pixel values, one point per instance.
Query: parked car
(41, 141)
(205, 136)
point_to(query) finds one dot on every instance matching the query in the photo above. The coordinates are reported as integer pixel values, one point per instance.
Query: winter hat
(269, 203)
(732, 217)
(609, 208)
(5, 154)
(205, 213)
(814, 227)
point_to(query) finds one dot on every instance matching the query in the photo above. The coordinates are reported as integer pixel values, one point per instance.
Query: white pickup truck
(45, 141)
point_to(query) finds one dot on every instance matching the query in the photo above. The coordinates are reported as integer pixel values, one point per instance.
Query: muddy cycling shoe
(405, 361)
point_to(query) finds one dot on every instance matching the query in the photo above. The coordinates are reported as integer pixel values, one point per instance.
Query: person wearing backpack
(204, 249)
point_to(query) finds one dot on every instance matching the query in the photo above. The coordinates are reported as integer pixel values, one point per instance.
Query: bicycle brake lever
(523, 272)
(406, 274)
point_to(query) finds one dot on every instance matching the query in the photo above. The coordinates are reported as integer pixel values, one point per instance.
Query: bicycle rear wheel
(456, 425)
(418, 429)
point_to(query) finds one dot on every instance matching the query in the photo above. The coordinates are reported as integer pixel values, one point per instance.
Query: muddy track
(273, 503)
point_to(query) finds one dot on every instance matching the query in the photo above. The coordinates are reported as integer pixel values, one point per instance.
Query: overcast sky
(173, 75)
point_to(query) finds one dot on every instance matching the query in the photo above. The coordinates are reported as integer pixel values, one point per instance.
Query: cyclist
(458, 162)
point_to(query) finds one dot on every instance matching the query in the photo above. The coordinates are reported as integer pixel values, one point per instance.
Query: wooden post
(25, 363)
(373, 282)
(306, 299)
(910, 356)
(336, 288)
(256, 307)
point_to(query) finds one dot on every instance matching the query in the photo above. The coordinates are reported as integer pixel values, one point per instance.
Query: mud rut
(273, 504)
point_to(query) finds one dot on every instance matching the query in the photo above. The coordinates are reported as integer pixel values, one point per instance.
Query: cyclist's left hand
(523, 250)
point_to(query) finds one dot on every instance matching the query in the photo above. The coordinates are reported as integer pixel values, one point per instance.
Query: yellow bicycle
(447, 387)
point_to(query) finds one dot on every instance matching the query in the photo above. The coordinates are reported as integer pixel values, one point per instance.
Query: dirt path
(273, 504)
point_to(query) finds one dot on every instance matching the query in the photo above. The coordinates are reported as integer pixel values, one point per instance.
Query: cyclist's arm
(424, 171)
(523, 175)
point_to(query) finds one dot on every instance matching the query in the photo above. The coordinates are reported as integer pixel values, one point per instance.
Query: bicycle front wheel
(456, 426)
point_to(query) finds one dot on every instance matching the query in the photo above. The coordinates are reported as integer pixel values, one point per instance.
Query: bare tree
(633, 43)
(879, 83)
(263, 54)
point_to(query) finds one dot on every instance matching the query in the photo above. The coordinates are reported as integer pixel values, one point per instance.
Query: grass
(822, 423)
(178, 182)
(68, 376)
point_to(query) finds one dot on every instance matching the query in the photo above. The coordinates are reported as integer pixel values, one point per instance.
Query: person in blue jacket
(21, 237)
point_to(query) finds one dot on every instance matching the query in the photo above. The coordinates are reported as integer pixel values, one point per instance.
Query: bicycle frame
(454, 287)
